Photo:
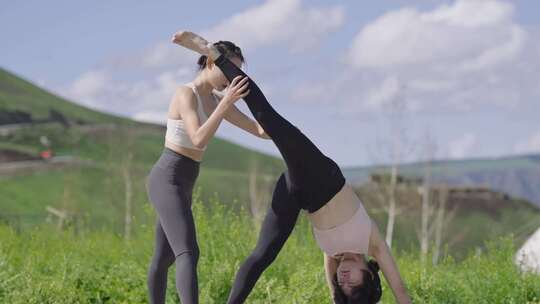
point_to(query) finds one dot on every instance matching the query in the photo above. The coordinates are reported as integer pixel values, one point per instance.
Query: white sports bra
(176, 131)
(351, 236)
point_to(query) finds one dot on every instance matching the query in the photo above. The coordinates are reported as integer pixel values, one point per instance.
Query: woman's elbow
(199, 145)
(198, 142)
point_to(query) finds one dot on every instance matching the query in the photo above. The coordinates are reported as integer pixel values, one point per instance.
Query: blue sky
(365, 81)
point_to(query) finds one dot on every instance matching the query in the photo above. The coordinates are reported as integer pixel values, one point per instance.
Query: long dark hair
(227, 48)
(369, 292)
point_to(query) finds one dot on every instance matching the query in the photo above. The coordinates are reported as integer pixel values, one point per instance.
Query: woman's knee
(262, 258)
(161, 264)
(191, 253)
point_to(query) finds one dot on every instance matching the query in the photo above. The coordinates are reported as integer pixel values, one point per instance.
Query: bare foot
(191, 41)
(195, 43)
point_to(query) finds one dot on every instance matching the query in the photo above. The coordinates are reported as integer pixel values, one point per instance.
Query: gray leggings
(170, 186)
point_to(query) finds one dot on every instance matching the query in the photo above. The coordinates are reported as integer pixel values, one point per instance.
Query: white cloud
(288, 23)
(462, 146)
(151, 116)
(467, 13)
(381, 95)
(279, 21)
(458, 57)
(166, 53)
(467, 35)
(431, 85)
(87, 88)
(529, 145)
(504, 52)
(145, 99)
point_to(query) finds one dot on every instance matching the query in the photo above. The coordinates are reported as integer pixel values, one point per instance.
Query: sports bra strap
(200, 107)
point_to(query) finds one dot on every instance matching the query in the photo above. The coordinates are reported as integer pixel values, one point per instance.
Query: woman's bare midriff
(337, 211)
(191, 153)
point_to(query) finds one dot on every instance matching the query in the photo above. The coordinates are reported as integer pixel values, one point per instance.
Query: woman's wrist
(224, 103)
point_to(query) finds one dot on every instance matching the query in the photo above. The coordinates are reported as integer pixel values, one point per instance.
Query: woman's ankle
(213, 52)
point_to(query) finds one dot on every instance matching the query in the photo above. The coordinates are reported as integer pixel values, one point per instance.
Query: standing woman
(315, 183)
(170, 182)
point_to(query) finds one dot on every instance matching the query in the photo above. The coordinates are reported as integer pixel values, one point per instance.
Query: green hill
(518, 176)
(94, 185)
(17, 94)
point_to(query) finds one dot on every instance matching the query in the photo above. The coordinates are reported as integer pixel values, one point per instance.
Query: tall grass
(42, 265)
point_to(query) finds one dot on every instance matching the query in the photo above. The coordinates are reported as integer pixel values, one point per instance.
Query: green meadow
(42, 265)
(91, 261)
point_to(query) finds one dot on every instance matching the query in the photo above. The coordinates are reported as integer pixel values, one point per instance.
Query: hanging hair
(369, 292)
(227, 48)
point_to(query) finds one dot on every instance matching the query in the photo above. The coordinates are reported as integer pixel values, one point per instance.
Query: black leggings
(169, 186)
(310, 181)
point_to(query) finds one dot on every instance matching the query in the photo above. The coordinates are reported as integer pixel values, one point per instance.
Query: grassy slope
(19, 94)
(98, 189)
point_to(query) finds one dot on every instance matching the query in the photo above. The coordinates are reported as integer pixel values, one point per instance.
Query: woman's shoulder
(184, 93)
(184, 89)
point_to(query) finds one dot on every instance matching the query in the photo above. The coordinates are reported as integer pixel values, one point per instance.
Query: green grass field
(40, 265)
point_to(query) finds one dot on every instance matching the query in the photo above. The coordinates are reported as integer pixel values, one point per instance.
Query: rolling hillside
(18, 96)
(95, 148)
(518, 176)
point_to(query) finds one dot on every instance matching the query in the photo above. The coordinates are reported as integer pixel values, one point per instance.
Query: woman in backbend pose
(315, 183)
(170, 182)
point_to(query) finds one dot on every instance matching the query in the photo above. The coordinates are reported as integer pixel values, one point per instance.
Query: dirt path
(18, 167)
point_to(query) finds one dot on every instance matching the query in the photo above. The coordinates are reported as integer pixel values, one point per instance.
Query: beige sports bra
(351, 236)
(176, 131)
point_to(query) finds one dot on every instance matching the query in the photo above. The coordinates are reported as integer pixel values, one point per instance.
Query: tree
(126, 174)
(396, 149)
(259, 191)
(442, 219)
(427, 208)
(122, 172)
